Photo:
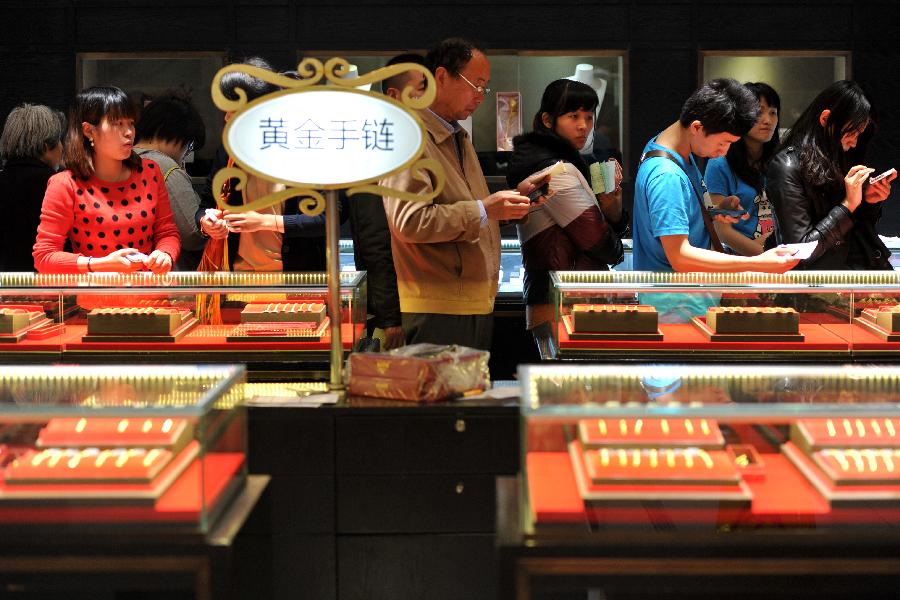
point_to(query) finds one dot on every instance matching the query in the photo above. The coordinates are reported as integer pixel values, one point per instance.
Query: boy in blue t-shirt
(669, 234)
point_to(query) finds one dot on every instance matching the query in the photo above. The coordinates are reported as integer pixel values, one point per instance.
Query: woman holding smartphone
(110, 204)
(741, 174)
(819, 186)
(572, 228)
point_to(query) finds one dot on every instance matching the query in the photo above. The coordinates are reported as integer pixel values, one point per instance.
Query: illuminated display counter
(659, 476)
(802, 316)
(107, 447)
(271, 321)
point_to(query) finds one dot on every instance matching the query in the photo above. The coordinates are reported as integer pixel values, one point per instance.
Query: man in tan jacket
(447, 251)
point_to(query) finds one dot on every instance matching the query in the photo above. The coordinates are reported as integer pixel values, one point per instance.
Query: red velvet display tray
(848, 432)
(650, 433)
(685, 336)
(677, 493)
(181, 503)
(861, 339)
(112, 432)
(204, 338)
(62, 492)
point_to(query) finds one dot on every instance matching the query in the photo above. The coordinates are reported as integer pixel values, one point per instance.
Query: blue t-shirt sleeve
(718, 177)
(666, 207)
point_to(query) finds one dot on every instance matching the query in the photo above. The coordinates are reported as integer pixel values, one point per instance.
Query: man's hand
(506, 205)
(776, 260)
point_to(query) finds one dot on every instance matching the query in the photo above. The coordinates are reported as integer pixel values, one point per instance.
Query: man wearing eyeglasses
(447, 250)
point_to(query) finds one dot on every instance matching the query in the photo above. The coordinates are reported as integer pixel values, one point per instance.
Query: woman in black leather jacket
(818, 186)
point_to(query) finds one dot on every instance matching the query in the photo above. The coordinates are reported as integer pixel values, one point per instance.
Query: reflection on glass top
(175, 280)
(832, 280)
(709, 390)
(116, 390)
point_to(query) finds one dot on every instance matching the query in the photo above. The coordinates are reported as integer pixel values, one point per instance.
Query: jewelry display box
(803, 316)
(732, 446)
(111, 445)
(180, 317)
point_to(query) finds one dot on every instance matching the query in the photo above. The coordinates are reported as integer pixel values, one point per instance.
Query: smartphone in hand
(728, 212)
(541, 190)
(880, 176)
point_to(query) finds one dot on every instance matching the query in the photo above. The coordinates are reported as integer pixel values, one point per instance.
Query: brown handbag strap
(707, 220)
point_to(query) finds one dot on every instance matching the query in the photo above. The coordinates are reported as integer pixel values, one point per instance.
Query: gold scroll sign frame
(311, 72)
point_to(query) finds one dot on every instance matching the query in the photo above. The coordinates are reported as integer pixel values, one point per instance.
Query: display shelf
(738, 446)
(92, 447)
(802, 316)
(182, 317)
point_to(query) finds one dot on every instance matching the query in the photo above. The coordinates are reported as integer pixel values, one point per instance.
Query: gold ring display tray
(700, 323)
(176, 335)
(640, 337)
(279, 331)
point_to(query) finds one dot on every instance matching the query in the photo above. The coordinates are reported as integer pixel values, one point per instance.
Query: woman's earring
(92, 142)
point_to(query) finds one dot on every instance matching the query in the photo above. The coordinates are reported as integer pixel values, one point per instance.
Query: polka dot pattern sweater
(99, 217)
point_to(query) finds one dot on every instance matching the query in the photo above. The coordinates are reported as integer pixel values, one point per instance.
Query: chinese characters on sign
(324, 137)
(332, 134)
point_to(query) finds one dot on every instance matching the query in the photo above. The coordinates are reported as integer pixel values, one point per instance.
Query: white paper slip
(801, 251)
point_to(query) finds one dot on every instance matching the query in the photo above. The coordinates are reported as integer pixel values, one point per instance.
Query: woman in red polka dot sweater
(110, 204)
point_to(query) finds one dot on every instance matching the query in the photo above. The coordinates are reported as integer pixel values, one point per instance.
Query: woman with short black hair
(170, 128)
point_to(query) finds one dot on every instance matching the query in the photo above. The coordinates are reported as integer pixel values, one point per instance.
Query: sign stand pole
(333, 266)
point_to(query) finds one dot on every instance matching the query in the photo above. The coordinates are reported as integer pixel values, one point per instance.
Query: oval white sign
(324, 137)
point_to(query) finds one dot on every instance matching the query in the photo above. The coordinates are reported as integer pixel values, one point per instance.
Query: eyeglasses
(190, 148)
(484, 91)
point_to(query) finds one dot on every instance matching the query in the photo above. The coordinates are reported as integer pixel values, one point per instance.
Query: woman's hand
(159, 262)
(853, 184)
(880, 190)
(117, 261)
(250, 221)
(611, 202)
(213, 225)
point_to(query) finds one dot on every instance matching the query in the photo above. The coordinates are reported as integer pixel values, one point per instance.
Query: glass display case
(730, 475)
(799, 316)
(268, 320)
(112, 447)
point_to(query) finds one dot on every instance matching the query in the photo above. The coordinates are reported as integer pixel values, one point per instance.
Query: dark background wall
(39, 40)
